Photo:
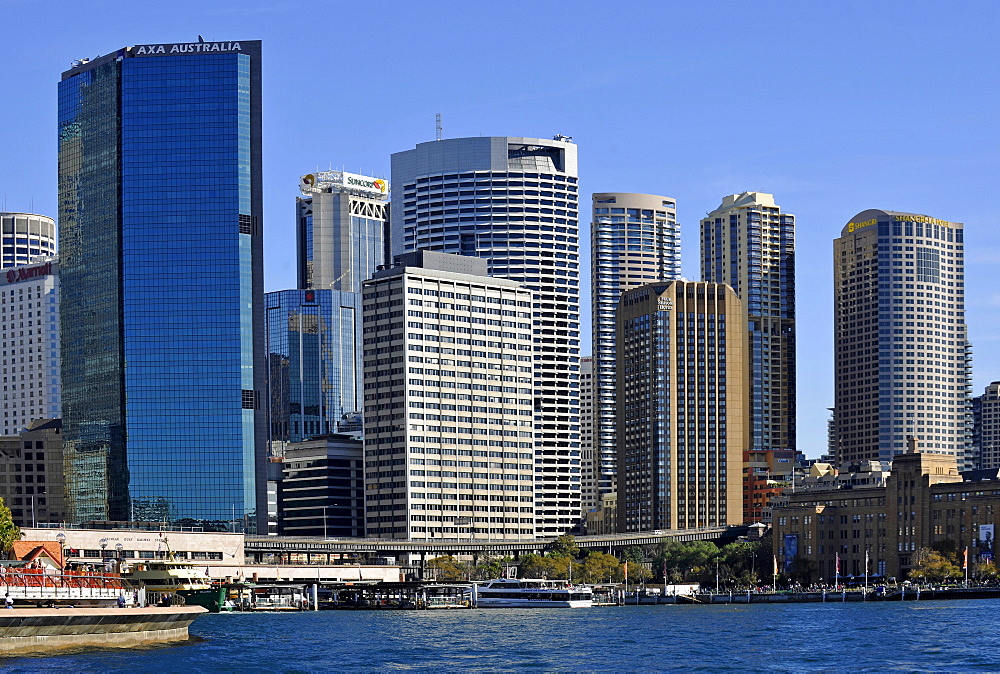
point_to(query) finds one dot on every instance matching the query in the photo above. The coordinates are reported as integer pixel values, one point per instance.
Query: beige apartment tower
(448, 384)
(901, 348)
(589, 462)
(749, 243)
(683, 406)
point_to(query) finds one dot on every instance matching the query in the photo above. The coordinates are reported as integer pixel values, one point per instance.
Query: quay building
(884, 521)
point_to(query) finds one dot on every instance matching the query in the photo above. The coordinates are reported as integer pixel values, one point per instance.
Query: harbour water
(933, 635)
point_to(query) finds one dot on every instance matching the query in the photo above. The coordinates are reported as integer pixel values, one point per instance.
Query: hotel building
(449, 421)
(513, 203)
(160, 217)
(902, 354)
(748, 243)
(635, 240)
(683, 406)
(29, 316)
(26, 238)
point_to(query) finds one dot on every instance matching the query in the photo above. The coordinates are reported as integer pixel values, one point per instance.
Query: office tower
(313, 364)
(683, 406)
(449, 431)
(902, 353)
(342, 227)
(161, 261)
(588, 464)
(29, 319)
(986, 427)
(513, 203)
(321, 491)
(31, 473)
(26, 238)
(749, 243)
(635, 240)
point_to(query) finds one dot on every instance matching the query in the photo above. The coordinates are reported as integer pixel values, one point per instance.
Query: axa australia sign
(186, 48)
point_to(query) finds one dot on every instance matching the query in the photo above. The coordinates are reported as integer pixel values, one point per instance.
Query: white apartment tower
(449, 415)
(635, 240)
(29, 316)
(901, 346)
(513, 203)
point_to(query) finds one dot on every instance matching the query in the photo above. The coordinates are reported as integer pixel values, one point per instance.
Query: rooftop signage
(367, 186)
(186, 48)
(923, 218)
(853, 226)
(26, 273)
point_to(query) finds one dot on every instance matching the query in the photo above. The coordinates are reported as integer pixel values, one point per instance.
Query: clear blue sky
(833, 107)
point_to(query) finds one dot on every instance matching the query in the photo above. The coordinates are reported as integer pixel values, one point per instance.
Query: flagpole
(866, 570)
(966, 565)
(836, 573)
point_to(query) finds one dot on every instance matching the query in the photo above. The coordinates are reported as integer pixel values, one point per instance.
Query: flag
(776, 565)
(866, 562)
(965, 560)
(838, 562)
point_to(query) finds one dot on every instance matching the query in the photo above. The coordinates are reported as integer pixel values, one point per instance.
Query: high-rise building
(449, 429)
(161, 261)
(513, 202)
(342, 229)
(635, 240)
(31, 473)
(748, 243)
(26, 238)
(29, 319)
(589, 496)
(901, 347)
(683, 406)
(986, 428)
(313, 363)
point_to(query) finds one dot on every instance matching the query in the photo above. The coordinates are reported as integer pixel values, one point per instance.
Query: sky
(834, 108)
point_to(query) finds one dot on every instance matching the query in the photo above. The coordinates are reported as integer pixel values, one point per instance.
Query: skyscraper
(342, 228)
(449, 430)
(313, 361)
(635, 240)
(26, 238)
(513, 202)
(986, 428)
(29, 325)
(589, 497)
(682, 406)
(162, 320)
(749, 243)
(902, 351)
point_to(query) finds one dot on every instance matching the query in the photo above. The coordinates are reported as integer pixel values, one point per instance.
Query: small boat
(531, 593)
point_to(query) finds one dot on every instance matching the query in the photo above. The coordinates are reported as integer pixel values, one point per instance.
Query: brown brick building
(926, 500)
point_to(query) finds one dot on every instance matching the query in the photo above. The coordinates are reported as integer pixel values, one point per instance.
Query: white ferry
(531, 593)
(169, 576)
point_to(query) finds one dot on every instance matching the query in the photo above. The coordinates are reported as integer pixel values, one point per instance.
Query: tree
(933, 566)
(491, 567)
(600, 567)
(532, 566)
(565, 545)
(10, 533)
(802, 569)
(448, 568)
(693, 560)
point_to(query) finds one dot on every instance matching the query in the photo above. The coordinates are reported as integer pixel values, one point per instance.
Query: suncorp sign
(376, 185)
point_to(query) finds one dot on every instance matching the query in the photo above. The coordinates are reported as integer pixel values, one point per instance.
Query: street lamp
(118, 549)
(61, 537)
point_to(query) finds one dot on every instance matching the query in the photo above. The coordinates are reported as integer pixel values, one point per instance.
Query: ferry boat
(532, 593)
(169, 576)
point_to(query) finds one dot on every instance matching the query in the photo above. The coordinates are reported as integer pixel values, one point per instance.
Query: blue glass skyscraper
(160, 228)
(314, 373)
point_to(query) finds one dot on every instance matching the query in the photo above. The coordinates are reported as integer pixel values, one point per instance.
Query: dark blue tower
(160, 229)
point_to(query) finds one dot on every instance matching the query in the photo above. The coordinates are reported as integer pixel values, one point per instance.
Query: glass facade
(160, 218)
(314, 374)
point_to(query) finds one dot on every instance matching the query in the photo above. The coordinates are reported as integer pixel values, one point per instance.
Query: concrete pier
(25, 630)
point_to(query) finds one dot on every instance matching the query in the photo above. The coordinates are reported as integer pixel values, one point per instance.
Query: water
(927, 635)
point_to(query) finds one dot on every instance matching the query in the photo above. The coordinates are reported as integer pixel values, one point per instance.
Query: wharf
(31, 630)
(828, 596)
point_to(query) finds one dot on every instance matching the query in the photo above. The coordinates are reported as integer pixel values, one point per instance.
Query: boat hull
(534, 603)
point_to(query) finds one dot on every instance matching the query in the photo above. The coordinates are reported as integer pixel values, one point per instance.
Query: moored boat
(531, 593)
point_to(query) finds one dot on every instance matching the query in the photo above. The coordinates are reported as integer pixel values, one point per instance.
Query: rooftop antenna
(437, 127)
